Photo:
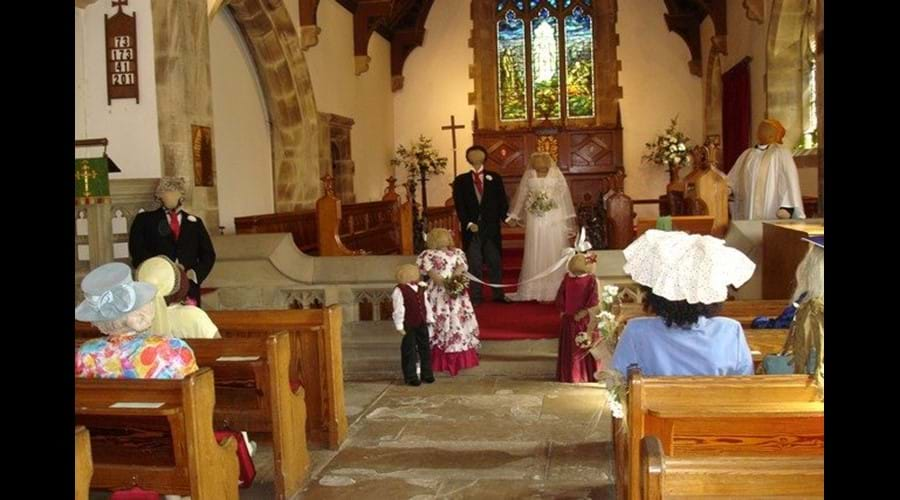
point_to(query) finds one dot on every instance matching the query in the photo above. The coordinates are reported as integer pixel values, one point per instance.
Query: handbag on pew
(247, 471)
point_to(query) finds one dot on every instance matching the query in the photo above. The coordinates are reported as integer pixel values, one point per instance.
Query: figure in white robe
(764, 179)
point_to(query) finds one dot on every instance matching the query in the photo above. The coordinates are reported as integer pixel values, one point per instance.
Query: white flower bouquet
(539, 203)
(670, 149)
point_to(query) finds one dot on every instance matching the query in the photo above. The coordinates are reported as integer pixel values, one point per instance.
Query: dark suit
(483, 247)
(151, 235)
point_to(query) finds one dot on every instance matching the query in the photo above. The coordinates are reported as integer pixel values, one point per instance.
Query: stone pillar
(184, 95)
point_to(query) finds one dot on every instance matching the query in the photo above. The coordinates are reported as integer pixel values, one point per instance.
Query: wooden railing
(332, 229)
(386, 227)
(303, 226)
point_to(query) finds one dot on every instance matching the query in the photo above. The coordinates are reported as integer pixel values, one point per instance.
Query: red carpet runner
(519, 320)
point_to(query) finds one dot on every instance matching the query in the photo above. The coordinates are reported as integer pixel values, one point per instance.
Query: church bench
(157, 434)
(669, 477)
(316, 359)
(254, 394)
(84, 467)
(743, 311)
(761, 415)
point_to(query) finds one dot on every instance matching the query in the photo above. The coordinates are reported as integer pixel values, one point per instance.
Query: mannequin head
(581, 264)
(476, 155)
(439, 239)
(170, 192)
(541, 163)
(811, 274)
(770, 132)
(407, 273)
(136, 321)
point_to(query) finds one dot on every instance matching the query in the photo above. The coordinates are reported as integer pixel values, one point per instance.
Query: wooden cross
(453, 127)
(119, 4)
(86, 173)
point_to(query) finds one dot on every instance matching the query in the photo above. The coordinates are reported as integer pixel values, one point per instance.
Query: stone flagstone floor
(470, 437)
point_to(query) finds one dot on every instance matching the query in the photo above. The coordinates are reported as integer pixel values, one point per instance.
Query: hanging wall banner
(121, 55)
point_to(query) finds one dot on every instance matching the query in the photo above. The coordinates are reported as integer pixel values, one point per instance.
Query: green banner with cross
(91, 178)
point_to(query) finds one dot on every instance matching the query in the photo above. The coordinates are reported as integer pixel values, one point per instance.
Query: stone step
(371, 351)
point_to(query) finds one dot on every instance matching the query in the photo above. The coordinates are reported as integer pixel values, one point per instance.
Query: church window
(511, 67)
(579, 64)
(545, 60)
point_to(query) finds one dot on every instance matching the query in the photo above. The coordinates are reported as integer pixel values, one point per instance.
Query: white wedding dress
(547, 234)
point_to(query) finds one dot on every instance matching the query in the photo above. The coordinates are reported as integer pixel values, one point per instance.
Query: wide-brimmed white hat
(110, 293)
(690, 267)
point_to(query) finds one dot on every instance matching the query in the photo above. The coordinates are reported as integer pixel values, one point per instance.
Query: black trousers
(482, 252)
(415, 346)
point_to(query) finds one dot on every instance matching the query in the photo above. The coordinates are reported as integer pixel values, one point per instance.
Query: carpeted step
(517, 321)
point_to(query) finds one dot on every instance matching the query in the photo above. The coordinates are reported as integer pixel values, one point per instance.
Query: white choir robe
(764, 179)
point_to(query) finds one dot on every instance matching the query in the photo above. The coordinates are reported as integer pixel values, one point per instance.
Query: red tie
(174, 224)
(479, 184)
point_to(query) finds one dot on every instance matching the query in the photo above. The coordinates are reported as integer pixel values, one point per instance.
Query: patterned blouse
(137, 355)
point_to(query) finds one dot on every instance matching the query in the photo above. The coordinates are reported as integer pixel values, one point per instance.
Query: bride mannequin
(543, 205)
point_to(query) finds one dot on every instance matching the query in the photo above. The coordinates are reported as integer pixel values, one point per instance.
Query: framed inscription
(203, 157)
(121, 55)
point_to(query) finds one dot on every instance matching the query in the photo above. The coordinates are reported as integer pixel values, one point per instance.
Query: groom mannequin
(481, 205)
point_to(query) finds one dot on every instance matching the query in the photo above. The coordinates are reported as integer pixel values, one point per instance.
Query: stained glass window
(520, 4)
(542, 44)
(545, 65)
(579, 65)
(511, 67)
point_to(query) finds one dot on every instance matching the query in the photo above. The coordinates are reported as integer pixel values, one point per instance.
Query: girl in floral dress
(454, 335)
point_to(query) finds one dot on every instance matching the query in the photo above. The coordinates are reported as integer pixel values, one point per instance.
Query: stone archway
(785, 48)
(274, 44)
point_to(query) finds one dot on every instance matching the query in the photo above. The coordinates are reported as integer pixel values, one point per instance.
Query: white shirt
(400, 309)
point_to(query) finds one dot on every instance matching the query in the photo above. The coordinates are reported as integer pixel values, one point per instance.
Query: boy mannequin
(412, 315)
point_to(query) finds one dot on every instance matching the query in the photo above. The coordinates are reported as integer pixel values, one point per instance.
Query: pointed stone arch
(274, 44)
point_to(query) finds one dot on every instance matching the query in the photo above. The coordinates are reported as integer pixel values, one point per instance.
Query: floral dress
(135, 355)
(454, 334)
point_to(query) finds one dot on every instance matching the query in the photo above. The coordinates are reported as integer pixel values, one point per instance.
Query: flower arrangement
(600, 339)
(672, 149)
(456, 285)
(539, 203)
(420, 156)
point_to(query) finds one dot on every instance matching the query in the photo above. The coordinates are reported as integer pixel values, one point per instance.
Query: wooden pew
(316, 359)
(84, 467)
(170, 448)
(254, 393)
(760, 415)
(668, 477)
(744, 311)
